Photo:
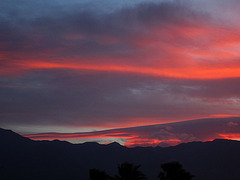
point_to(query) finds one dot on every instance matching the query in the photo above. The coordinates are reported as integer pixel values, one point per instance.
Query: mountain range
(25, 159)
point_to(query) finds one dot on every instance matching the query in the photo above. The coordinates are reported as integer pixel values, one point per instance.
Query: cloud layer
(91, 65)
(157, 135)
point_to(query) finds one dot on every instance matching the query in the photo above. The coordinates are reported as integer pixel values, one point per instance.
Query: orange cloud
(161, 134)
(197, 71)
(131, 140)
(232, 136)
(192, 50)
(136, 141)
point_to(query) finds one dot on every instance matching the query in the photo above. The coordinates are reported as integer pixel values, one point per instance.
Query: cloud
(164, 134)
(168, 39)
(109, 100)
(89, 65)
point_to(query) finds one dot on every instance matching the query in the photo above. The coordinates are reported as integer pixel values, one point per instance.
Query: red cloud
(165, 134)
(233, 136)
(186, 49)
(195, 71)
(161, 45)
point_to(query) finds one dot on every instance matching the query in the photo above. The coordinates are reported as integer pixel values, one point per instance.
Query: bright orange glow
(131, 140)
(135, 141)
(188, 72)
(232, 136)
(192, 50)
(199, 54)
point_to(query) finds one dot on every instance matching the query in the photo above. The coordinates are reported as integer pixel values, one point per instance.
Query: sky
(125, 71)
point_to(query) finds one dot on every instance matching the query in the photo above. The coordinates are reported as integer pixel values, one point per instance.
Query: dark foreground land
(24, 159)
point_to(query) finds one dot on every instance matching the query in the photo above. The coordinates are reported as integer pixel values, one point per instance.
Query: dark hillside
(24, 159)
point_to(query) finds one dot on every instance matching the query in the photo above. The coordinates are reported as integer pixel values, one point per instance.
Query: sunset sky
(90, 70)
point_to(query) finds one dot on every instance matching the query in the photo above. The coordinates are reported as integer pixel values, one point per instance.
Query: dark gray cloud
(58, 30)
(163, 134)
(68, 97)
(166, 34)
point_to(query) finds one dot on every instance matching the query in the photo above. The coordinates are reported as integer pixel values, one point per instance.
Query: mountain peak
(8, 137)
(114, 144)
(64, 160)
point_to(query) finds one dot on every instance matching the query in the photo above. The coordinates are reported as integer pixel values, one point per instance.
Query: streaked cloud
(155, 135)
(108, 65)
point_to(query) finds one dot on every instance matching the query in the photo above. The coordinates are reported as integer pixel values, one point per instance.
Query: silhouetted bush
(96, 174)
(129, 171)
(174, 171)
(126, 171)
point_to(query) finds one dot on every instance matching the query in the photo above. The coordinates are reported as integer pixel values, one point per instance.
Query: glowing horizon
(163, 134)
(81, 65)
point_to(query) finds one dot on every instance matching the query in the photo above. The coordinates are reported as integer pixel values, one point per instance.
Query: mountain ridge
(168, 134)
(24, 159)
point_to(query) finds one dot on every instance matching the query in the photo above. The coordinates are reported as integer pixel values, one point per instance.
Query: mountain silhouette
(25, 159)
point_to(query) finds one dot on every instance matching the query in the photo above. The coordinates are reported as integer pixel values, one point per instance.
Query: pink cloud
(165, 134)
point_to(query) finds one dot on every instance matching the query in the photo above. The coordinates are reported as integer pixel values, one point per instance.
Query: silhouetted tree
(96, 174)
(1, 167)
(174, 171)
(129, 171)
